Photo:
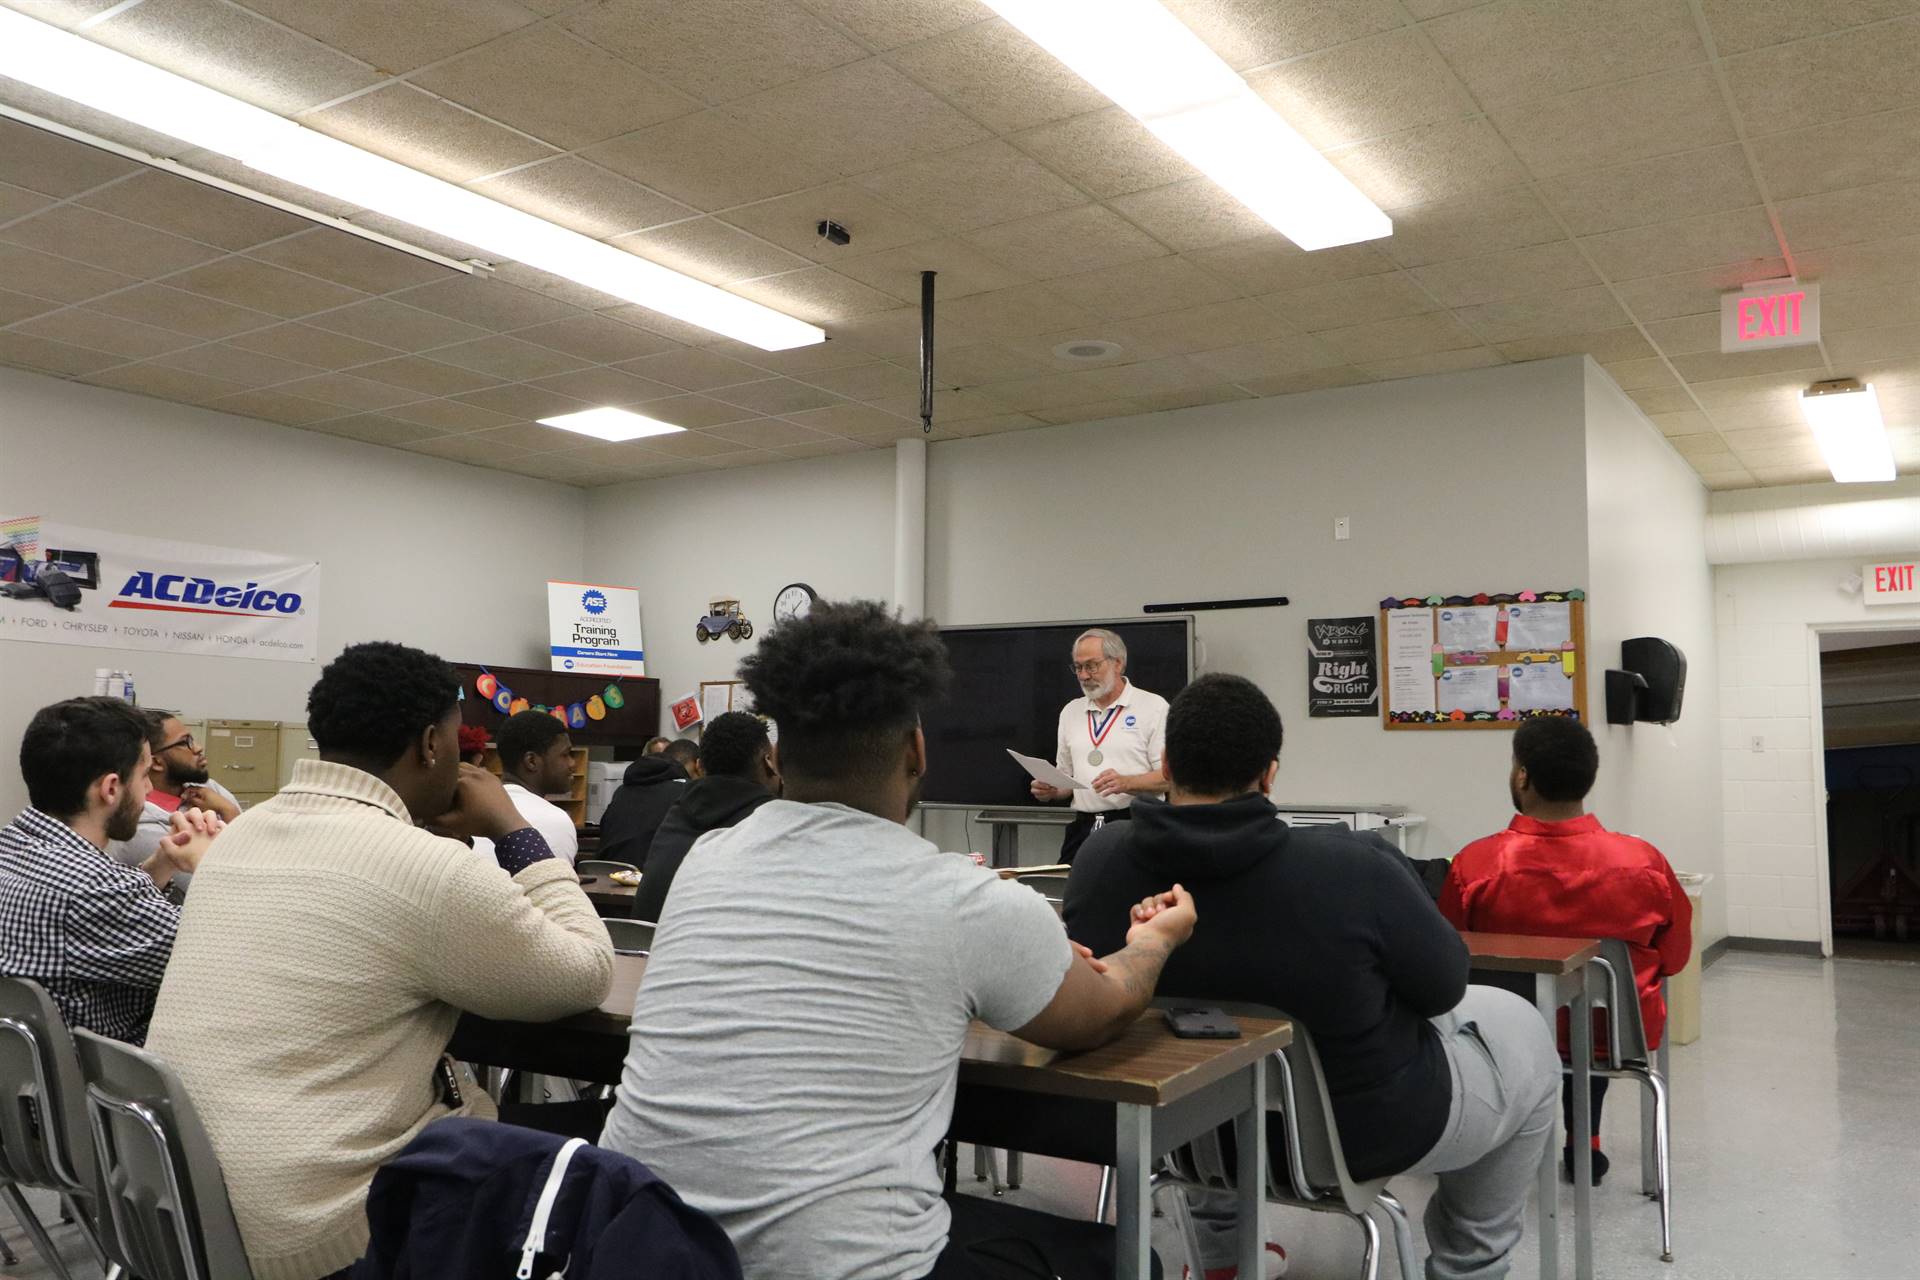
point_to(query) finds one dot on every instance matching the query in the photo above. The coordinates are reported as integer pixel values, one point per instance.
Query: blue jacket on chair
(475, 1200)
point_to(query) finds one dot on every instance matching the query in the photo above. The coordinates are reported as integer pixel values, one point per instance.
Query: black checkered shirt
(95, 934)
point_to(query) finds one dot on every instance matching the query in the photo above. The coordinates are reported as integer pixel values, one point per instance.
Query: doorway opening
(1870, 712)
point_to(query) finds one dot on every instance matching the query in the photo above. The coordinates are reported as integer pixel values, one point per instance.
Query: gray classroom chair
(1314, 1174)
(1624, 1053)
(164, 1211)
(630, 937)
(602, 867)
(44, 1143)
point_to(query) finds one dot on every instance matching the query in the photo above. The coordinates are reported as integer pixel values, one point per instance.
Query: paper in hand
(1044, 771)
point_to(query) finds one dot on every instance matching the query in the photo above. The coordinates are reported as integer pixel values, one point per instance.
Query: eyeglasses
(1088, 668)
(186, 742)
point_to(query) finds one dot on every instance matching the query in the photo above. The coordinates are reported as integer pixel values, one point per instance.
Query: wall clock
(794, 601)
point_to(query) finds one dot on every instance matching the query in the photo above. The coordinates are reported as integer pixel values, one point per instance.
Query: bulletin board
(1483, 661)
(717, 697)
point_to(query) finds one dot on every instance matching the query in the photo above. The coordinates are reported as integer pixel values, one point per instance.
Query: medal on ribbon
(1099, 730)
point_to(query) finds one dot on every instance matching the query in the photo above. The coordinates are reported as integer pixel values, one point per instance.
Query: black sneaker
(1600, 1166)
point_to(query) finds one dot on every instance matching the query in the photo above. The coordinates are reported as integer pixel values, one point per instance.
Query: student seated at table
(177, 779)
(737, 776)
(1556, 872)
(331, 944)
(1427, 1074)
(796, 1039)
(536, 761)
(95, 933)
(651, 786)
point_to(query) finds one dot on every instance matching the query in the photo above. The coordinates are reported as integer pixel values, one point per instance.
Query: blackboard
(1009, 685)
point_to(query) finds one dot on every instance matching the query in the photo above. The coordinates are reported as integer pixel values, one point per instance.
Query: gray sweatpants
(1506, 1074)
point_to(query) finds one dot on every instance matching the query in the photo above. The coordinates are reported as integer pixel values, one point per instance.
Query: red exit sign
(1890, 583)
(1771, 313)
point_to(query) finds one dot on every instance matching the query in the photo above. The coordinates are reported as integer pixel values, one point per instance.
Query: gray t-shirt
(796, 1039)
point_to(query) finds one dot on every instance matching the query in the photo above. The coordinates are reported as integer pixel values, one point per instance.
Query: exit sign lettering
(1890, 583)
(1773, 313)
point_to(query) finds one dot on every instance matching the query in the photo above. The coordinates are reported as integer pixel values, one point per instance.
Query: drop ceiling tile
(1043, 350)
(696, 411)
(1688, 293)
(1373, 86)
(849, 420)
(583, 197)
(1724, 394)
(1740, 25)
(857, 118)
(875, 381)
(275, 406)
(716, 50)
(355, 394)
(1287, 384)
(1610, 125)
(1270, 357)
(1097, 411)
(27, 352)
(18, 202)
(1660, 399)
(1720, 480)
(397, 325)
(1191, 216)
(263, 287)
(996, 425)
(1430, 162)
(818, 295)
(669, 327)
(313, 346)
(547, 82)
(888, 24)
(1687, 424)
(524, 402)
(194, 210)
(1252, 33)
(793, 221)
(1834, 77)
(895, 335)
(1392, 339)
(463, 448)
(1713, 463)
(596, 339)
(691, 369)
(398, 38)
(1351, 302)
(124, 338)
(164, 383)
(711, 250)
(226, 48)
(1896, 342)
(429, 377)
(1433, 362)
(19, 306)
(1847, 311)
(1485, 222)
(1192, 397)
(604, 386)
(100, 240)
(1847, 153)
(1106, 153)
(1768, 437)
(1704, 442)
(998, 76)
(52, 165)
(769, 433)
(1624, 343)
(962, 269)
(976, 186)
(709, 160)
(1154, 285)
(234, 364)
(1548, 315)
(1521, 51)
(508, 359)
(1718, 239)
(1502, 277)
(949, 407)
(1641, 375)
(1016, 312)
(529, 436)
(1687, 335)
(1274, 264)
(1423, 9)
(449, 415)
(351, 260)
(1066, 242)
(1713, 180)
(1231, 323)
(404, 124)
(776, 396)
(1835, 218)
(1778, 410)
(476, 299)
(985, 364)
(155, 304)
(1846, 268)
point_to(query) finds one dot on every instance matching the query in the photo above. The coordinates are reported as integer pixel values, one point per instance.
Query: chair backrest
(44, 1140)
(602, 867)
(164, 1213)
(630, 937)
(1617, 991)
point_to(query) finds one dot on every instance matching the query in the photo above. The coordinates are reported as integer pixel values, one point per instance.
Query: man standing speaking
(1114, 737)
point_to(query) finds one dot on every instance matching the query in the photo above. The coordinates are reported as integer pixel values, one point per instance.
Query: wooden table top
(1148, 1064)
(607, 893)
(1524, 953)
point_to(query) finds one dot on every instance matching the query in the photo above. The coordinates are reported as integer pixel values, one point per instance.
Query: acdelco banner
(595, 629)
(154, 594)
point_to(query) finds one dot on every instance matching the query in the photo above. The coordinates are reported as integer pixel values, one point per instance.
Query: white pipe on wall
(910, 527)
(1813, 522)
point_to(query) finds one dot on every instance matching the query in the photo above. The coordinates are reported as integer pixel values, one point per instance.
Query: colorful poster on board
(593, 628)
(1343, 669)
(686, 712)
(63, 584)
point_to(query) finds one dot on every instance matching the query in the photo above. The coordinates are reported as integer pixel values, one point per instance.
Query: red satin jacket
(1576, 879)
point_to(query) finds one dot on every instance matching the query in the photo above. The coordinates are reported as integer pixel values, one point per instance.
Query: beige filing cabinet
(295, 745)
(244, 757)
(1683, 989)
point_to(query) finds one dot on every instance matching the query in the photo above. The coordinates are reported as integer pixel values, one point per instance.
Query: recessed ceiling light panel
(611, 424)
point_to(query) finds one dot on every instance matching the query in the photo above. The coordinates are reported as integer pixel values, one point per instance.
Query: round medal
(1094, 757)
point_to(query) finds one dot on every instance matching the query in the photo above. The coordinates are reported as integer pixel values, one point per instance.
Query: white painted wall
(440, 555)
(1769, 618)
(1648, 575)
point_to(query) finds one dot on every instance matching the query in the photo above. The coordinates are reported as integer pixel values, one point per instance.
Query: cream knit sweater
(325, 953)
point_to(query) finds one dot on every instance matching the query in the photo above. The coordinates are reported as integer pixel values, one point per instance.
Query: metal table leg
(1580, 1019)
(1250, 1143)
(1133, 1169)
(1546, 999)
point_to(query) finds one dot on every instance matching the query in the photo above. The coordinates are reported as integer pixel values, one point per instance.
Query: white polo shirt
(544, 816)
(1132, 741)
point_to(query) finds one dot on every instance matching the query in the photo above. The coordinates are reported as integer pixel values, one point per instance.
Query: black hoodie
(1329, 926)
(651, 785)
(706, 804)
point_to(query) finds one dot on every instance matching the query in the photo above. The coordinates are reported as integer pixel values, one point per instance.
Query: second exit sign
(1771, 313)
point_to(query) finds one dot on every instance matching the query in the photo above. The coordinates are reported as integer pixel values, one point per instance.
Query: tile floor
(1796, 1129)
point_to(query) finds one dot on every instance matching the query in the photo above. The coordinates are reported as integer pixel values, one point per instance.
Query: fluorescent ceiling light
(610, 424)
(1846, 422)
(98, 77)
(1166, 77)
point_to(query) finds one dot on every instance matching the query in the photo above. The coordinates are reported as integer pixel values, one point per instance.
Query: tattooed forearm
(1137, 968)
